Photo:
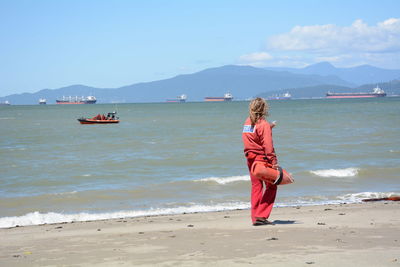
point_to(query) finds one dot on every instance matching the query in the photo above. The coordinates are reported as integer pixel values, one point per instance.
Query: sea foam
(37, 218)
(64, 193)
(348, 172)
(225, 180)
(357, 197)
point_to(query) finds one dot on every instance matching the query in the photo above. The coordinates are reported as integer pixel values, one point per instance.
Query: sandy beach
(364, 234)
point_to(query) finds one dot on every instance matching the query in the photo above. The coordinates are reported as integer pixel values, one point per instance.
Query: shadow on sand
(284, 222)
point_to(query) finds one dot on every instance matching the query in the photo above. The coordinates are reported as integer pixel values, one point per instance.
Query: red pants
(262, 199)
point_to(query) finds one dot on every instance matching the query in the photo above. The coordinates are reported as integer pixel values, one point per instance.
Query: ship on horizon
(76, 100)
(226, 97)
(180, 99)
(42, 101)
(285, 96)
(5, 103)
(377, 92)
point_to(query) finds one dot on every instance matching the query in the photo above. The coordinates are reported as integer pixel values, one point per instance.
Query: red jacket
(258, 140)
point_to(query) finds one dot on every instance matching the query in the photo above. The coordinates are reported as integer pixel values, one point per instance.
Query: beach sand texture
(364, 234)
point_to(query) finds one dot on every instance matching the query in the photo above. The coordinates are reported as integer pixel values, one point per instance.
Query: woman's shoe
(259, 222)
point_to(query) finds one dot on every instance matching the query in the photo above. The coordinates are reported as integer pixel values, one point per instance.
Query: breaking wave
(357, 197)
(348, 172)
(225, 180)
(64, 193)
(37, 218)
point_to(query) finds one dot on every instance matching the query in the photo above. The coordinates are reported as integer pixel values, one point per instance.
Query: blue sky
(107, 44)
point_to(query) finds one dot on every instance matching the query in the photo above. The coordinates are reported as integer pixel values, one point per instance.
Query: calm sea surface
(186, 157)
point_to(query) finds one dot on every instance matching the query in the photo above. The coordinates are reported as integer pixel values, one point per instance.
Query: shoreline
(326, 235)
(44, 218)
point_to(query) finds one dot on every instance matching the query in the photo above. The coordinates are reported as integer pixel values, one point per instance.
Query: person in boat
(111, 115)
(258, 145)
(97, 117)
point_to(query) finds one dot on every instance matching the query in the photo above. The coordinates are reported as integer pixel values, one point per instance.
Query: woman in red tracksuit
(258, 145)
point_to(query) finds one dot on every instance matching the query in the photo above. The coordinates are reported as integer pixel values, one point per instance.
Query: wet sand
(365, 234)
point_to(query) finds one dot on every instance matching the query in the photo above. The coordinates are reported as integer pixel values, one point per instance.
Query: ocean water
(169, 158)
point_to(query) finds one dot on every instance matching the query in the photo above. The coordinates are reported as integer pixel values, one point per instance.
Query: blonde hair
(258, 108)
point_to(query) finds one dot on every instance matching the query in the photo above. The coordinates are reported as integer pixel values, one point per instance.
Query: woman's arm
(268, 144)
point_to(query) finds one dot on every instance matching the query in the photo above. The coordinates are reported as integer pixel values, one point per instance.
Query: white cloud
(330, 38)
(256, 59)
(330, 59)
(260, 56)
(346, 46)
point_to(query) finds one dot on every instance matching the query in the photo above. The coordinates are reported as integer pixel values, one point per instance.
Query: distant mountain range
(391, 88)
(364, 74)
(242, 82)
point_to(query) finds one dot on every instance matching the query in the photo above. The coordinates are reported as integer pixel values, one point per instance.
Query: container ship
(377, 92)
(226, 97)
(285, 96)
(76, 100)
(180, 99)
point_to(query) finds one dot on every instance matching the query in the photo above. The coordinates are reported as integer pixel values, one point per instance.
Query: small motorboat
(100, 119)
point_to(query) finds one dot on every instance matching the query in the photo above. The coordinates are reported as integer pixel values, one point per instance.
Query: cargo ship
(226, 97)
(5, 103)
(181, 99)
(285, 96)
(377, 92)
(76, 100)
(42, 101)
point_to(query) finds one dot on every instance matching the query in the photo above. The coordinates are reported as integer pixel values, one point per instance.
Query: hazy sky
(55, 43)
